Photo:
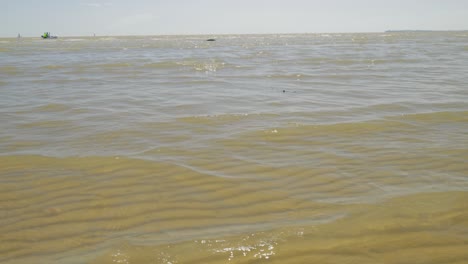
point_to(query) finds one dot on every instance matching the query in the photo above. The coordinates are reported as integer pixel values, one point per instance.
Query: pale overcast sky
(156, 17)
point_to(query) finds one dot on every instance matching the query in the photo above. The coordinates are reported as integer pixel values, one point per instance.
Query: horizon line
(226, 34)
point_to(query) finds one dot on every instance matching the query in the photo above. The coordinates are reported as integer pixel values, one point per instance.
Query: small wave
(73, 40)
(324, 60)
(114, 65)
(107, 39)
(224, 118)
(437, 117)
(48, 124)
(162, 65)
(9, 69)
(53, 67)
(385, 108)
(206, 66)
(391, 61)
(287, 76)
(349, 62)
(52, 108)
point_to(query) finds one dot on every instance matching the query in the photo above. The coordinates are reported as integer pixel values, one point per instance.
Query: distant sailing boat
(19, 35)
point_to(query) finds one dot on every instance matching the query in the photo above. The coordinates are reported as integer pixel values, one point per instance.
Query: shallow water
(327, 148)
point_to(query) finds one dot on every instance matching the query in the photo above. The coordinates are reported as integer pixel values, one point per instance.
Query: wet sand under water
(118, 210)
(425, 228)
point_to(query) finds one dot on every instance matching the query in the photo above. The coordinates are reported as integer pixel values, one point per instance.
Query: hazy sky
(154, 17)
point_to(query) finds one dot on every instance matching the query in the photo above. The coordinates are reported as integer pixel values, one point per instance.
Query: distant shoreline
(422, 30)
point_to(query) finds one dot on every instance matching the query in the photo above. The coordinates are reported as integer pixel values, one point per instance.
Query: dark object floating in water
(211, 40)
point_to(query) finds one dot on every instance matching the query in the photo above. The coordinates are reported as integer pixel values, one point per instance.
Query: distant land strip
(418, 30)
